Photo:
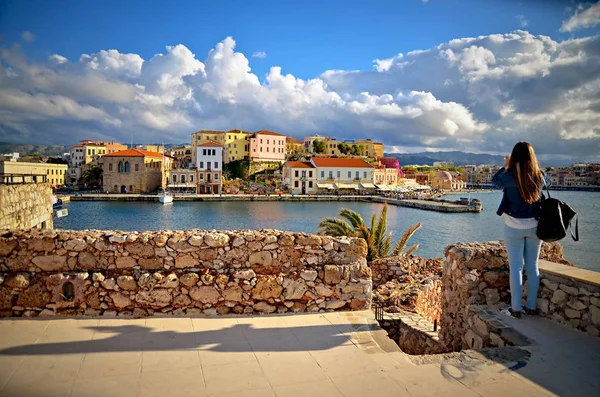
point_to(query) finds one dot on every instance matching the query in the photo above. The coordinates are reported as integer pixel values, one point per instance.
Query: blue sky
(481, 75)
(303, 37)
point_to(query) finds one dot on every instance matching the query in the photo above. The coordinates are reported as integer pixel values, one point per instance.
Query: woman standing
(522, 182)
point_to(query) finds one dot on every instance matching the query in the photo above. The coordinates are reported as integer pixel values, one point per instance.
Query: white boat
(165, 198)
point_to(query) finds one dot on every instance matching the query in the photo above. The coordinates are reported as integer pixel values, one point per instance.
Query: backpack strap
(545, 186)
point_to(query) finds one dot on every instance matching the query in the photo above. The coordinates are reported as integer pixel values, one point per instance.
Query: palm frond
(408, 233)
(411, 250)
(384, 250)
(335, 227)
(380, 230)
(352, 216)
(365, 233)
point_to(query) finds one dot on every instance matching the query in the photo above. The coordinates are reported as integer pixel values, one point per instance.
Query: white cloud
(27, 36)
(583, 18)
(522, 21)
(259, 54)
(477, 94)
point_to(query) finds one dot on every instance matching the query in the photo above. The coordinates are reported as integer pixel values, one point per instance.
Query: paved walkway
(333, 354)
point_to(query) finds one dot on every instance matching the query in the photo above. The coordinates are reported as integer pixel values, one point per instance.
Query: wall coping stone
(581, 275)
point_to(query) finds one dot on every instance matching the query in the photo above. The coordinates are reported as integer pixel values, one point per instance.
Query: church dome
(444, 176)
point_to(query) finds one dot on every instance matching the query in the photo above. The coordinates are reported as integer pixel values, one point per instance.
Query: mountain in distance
(457, 157)
(24, 149)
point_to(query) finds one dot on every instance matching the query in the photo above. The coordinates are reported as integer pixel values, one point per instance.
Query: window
(201, 176)
(192, 178)
(174, 178)
(339, 174)
(310, 174)
(261, 141)
(310, 184)
(216, 177)
(89, 152)
(322, 174)
(295, 183)
(349, 174)
(267, 149)
(296, 174)
(365, 174)
(110, 167)
(120, 166)
(303, 174)
(357, 175)
(137, 167)
(261, 148)
(182, 178)
(202, 164)
(330, 174)
(216, 165)
(130, 189)
(127, 166)
(204, 152)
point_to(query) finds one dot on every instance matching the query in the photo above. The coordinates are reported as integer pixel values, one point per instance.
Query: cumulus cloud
(478, 94)
(27, 36)
(259, 54)
(586, 16)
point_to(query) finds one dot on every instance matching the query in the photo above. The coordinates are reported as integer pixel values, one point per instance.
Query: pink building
(267, 146)
(391, 162)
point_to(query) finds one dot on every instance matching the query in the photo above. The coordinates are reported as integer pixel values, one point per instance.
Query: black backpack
(555, 218)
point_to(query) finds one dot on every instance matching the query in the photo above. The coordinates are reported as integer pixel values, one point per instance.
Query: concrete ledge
(577, 274)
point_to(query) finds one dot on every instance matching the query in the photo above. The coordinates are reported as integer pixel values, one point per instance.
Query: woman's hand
(506, 161)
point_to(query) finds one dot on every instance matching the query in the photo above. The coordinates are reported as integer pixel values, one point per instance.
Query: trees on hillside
(319, 146)
(344, 148)
(92, 176)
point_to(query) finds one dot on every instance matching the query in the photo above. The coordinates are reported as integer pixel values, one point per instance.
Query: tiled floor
(320, 355)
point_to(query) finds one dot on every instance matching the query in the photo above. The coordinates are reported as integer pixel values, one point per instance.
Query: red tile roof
(340, 162)
(210, 143)
(209, 132)
(299, 164)
(293, 140)
(267, 132)
(134, 153)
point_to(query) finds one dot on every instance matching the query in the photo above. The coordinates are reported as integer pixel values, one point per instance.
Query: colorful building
(209, 166)
(300, 177)
(444, 180)
(135, 171)
(294, 146)
(267, 146)
(56, 174)
(236, 143)
(343, 174)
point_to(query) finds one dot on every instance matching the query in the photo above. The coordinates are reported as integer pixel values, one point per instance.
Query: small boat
(165, 198)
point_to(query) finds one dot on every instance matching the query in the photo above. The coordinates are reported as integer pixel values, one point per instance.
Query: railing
(13, 179)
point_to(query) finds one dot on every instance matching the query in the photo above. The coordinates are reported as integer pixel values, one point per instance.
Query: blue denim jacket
(512, 203)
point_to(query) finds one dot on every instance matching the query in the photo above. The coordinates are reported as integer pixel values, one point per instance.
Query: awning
(346, 186)
(384, 188)
(325, 186)
(367, 185)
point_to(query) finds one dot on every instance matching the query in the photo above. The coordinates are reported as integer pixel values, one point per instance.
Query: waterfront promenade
(319, 355)
(440, 206)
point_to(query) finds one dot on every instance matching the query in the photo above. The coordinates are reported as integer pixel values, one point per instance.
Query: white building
(344, 174)
(443, 164)
(308, 142)
(209, 164)
(300, 177)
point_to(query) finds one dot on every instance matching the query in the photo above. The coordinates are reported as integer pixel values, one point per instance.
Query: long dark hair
(523, 166)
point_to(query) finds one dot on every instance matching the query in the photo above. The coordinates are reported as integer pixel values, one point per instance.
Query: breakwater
(429, 205)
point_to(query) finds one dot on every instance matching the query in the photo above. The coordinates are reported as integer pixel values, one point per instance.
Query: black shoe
(532, 312)
(510, 312)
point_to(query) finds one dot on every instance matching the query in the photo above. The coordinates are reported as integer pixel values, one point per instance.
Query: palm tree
(376, 236)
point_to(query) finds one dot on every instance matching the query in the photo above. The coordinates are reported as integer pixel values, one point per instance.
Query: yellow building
(236, 143)
(294, 146)
(55, 173)
(369, 147)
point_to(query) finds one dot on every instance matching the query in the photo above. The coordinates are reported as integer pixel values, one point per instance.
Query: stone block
(570, 313)
(233, 294)
(333, 274)
(189, 279)
(543, 305)
(119, 300)
(294, 289)
(156, 298)
(150, 263)
(50, 263)
(267, 288)
(7, 246)
(17, 280)
(576, 305)
(205, 294)
(491, 296)
(263, 258)
(264, 307)
(127, 283)
(473, 341)
(559, 297)
(595, 301)
(125, 262)
(569, 290)
(216, 239)
(549, 284)
(595, 313)
(335, 304)
(34, 296)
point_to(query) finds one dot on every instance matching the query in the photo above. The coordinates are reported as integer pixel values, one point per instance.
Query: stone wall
(478, 274)
(26, 206)
(173, 272)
